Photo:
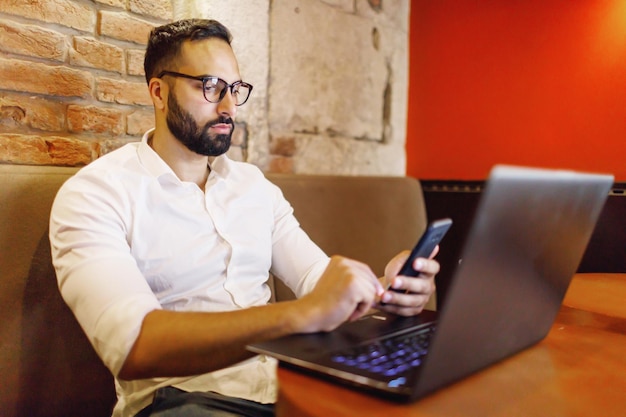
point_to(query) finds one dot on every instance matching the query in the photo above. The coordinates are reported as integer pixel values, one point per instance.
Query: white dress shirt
(129, 237)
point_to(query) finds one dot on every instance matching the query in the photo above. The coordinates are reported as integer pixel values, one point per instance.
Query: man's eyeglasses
(214, 88)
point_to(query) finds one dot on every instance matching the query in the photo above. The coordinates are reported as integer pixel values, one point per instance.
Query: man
(162, 249)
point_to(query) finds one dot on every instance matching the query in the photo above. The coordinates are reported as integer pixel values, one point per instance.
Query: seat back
(47, 366)
(370, 219)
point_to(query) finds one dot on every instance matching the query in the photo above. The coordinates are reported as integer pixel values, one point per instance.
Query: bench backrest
(48, 368)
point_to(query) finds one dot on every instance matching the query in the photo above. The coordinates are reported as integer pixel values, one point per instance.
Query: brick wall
(72, 85)
(71, 78)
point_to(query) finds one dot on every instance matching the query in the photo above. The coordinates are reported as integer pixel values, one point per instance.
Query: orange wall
(528, 82)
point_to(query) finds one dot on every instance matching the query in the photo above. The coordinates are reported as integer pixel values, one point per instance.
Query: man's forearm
(188, 343)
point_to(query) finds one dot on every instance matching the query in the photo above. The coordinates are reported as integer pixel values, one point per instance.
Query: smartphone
(435, 231)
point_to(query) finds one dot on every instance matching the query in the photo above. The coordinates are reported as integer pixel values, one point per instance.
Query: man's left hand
(407, 296)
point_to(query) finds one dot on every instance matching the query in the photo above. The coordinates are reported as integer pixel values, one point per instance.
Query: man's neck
(187, 165)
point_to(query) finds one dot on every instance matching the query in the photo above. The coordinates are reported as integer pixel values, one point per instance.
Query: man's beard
(196, 139)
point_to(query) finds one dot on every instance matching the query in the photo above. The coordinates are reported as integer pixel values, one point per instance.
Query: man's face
(199, 139)
(204, 128)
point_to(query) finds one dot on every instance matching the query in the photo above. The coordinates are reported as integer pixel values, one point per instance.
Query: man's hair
(166, 41)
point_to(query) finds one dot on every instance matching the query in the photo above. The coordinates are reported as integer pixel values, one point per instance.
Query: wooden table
(579, 369)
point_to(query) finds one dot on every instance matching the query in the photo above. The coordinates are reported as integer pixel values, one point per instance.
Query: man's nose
(227, 105)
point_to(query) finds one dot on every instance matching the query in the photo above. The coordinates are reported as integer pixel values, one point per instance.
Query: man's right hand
(346, 291)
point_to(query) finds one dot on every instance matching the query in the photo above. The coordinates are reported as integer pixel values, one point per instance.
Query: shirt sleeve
(296, 259)
(97, 276)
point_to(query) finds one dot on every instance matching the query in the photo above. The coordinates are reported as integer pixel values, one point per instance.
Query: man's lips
(222, 128)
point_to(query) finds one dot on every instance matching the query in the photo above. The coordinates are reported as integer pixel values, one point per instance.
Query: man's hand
(411, 293)
(346, 291)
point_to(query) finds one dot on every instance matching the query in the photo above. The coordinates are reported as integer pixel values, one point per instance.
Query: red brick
(139, 121)
(89, 52)
(67, 151)
(31, 112)
(161, 9)
(122, 92)
(281, 165)
(124, 27)
(52, 150)
(34, 77)
(110, 145)
(94, 119)
(68, 13)
(376, 4)
(134, 59)
(283, 146)
(32, 41)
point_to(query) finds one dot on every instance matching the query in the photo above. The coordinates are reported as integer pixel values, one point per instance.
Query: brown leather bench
(48, 368)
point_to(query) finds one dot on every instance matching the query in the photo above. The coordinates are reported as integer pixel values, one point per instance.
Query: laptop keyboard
(389, 357)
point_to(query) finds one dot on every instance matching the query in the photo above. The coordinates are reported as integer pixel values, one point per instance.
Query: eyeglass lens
(215, 90)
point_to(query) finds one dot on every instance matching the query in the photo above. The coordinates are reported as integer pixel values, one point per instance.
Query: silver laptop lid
(526, 241)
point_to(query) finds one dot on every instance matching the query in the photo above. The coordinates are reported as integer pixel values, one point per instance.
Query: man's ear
(157, 90)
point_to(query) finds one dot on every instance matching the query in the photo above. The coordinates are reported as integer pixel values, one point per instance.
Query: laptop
(526, 240)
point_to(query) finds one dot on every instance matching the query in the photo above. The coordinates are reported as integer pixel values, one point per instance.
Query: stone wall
(330, 80)
(339, 82)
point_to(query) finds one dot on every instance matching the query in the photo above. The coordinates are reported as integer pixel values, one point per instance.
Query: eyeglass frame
(205, 78)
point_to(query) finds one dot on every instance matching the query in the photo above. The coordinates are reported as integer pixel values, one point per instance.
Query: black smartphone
(435, 231)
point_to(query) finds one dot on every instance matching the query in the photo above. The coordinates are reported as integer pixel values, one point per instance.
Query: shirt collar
(221, 166)
(158, 168)
(151, 160)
